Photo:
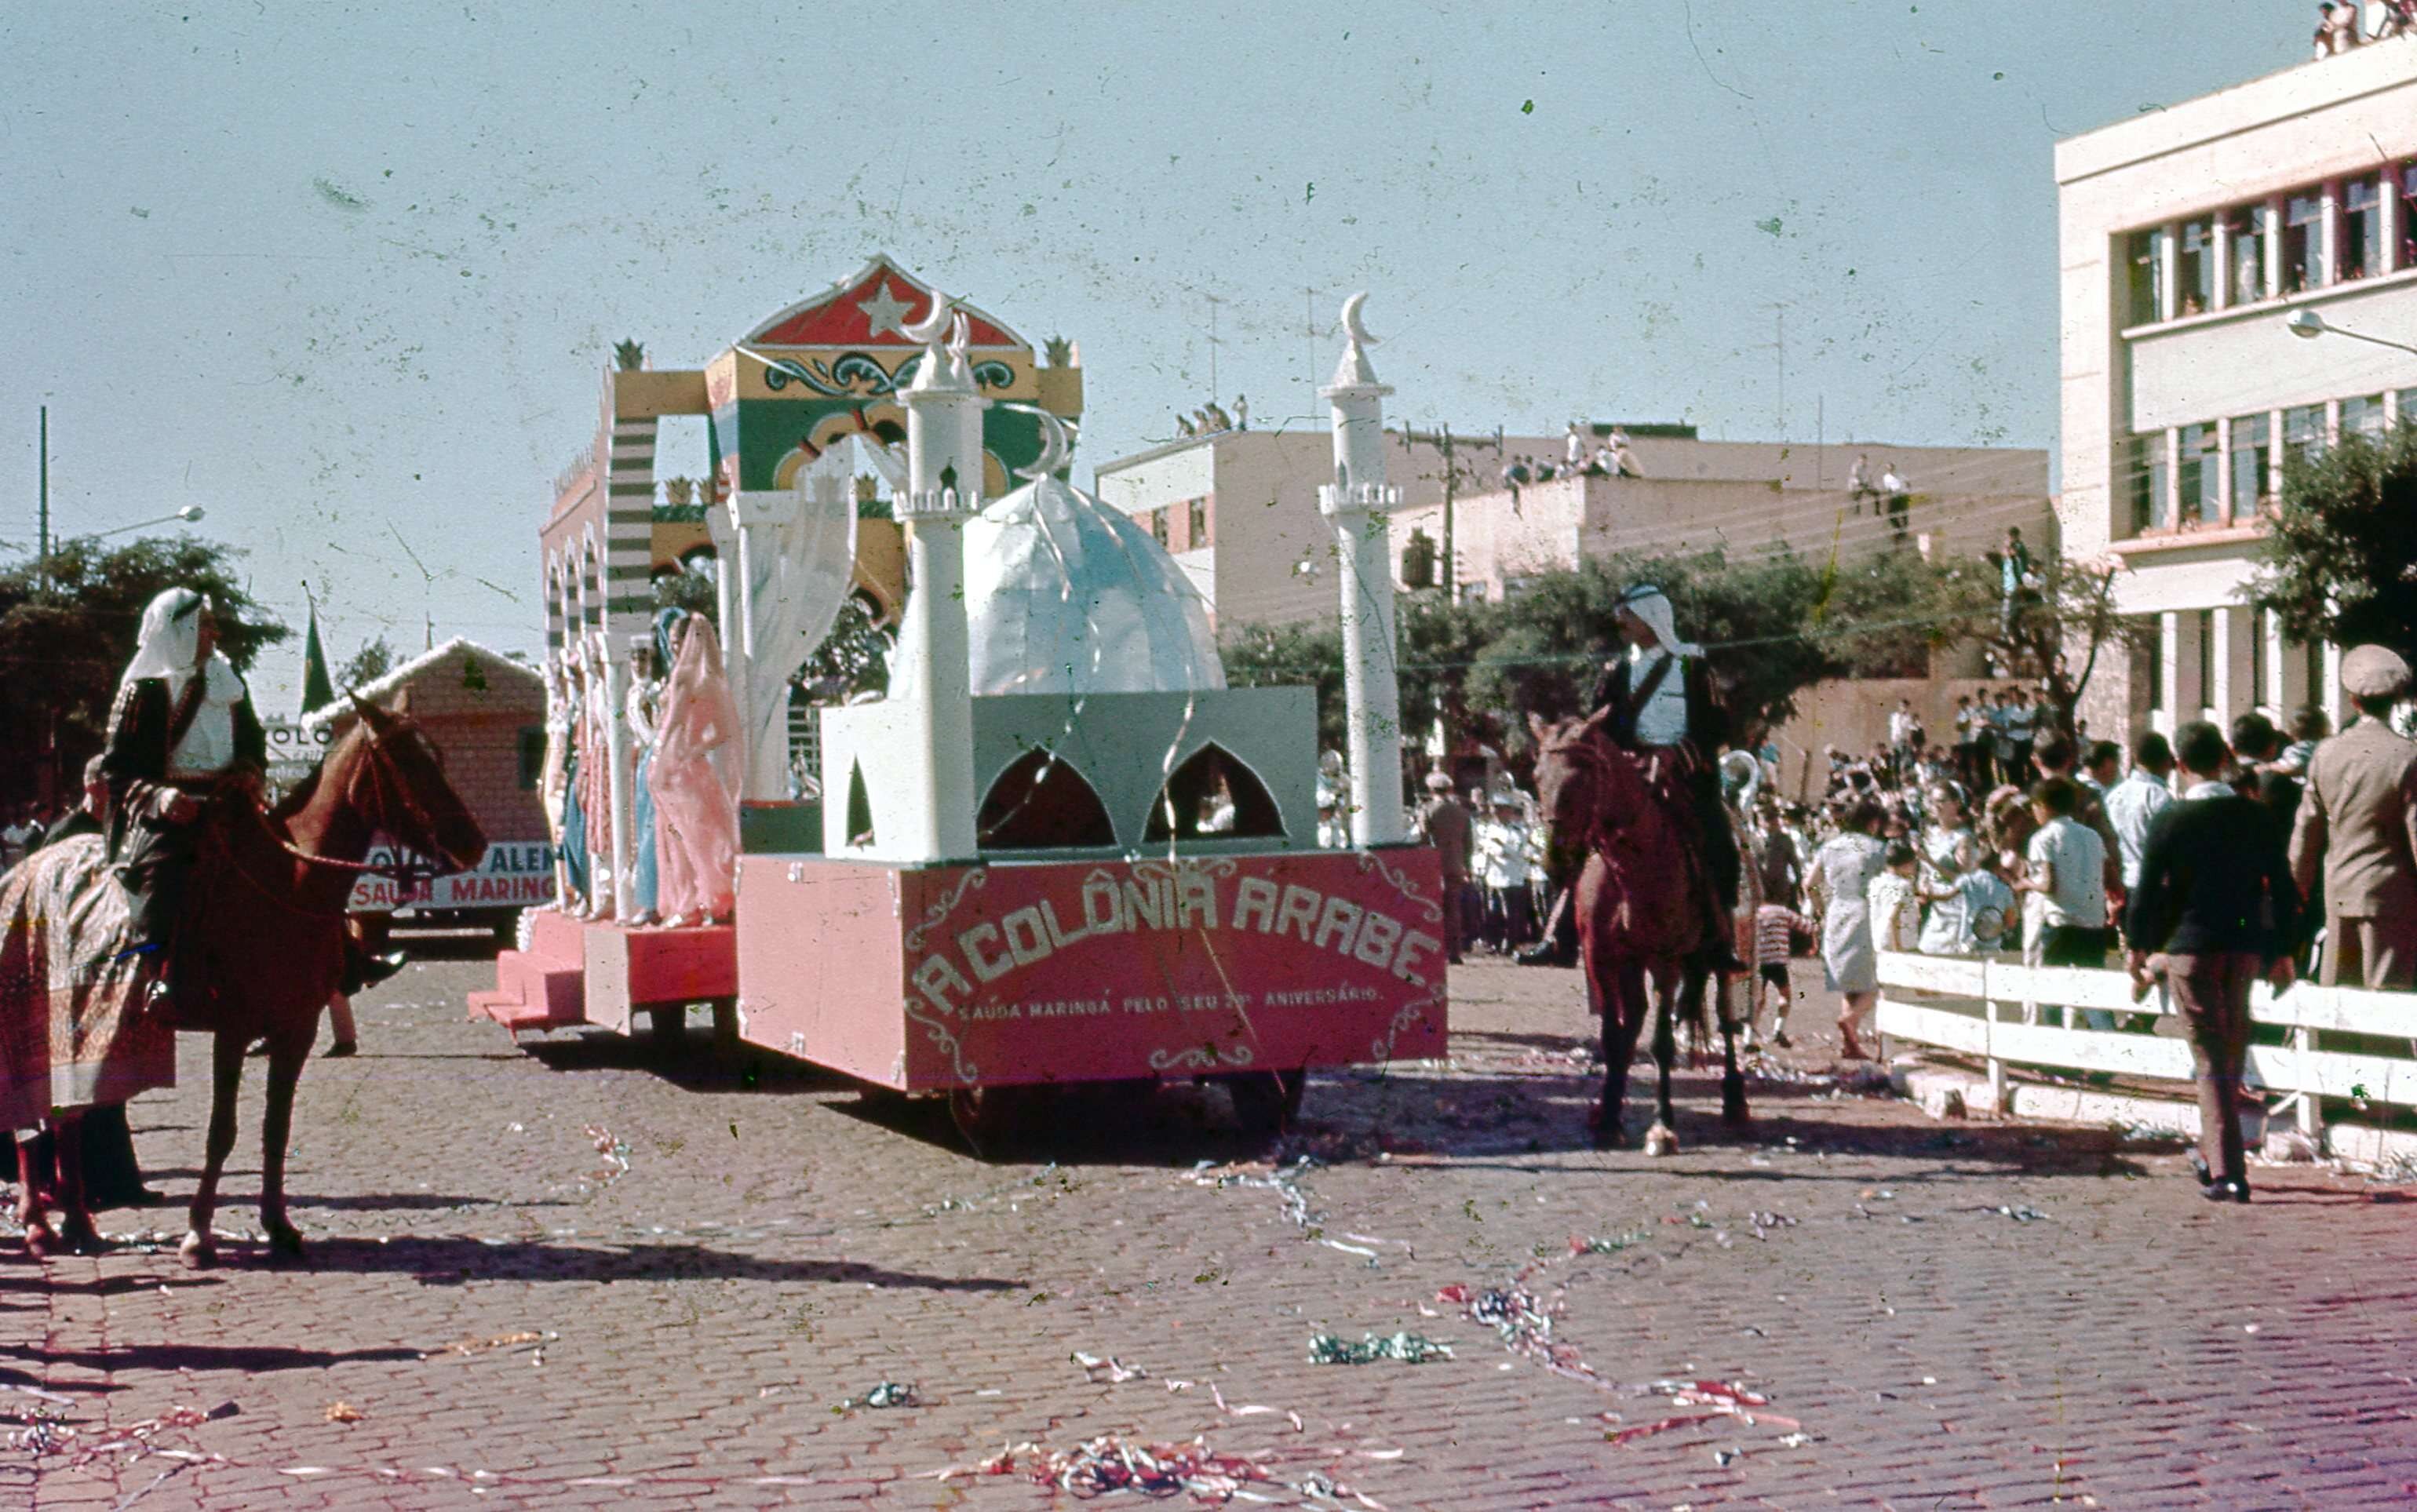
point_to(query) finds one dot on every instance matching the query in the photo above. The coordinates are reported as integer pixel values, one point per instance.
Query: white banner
(512, 874)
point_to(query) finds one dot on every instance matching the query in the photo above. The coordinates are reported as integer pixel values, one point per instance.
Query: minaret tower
(1360, 506)
(943, 479)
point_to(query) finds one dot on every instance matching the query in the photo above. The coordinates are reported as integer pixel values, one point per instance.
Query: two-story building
(2213, 256)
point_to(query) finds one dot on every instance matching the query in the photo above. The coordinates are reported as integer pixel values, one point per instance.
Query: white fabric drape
(799, 567)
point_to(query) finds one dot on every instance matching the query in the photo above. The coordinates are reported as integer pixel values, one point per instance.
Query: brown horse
(1641, 918)
(267, 919)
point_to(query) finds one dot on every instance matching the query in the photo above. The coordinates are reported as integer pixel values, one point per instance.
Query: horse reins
(385, 785)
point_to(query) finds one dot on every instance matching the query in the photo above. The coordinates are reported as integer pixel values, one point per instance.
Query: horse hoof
(81, 1238)
(198, 1253)
(40, 1243)
(1606, 1132)
(1660, 1140)
(284, 1242)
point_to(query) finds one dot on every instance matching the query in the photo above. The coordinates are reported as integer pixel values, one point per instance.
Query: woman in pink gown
(696, 798)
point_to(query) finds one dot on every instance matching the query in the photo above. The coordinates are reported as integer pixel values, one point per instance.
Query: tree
(68, 629)
(1288, 656)
(2340, 558)
(1759, 620)
(374, 661)
(853, 659)
(2056, 634)
(690, 589)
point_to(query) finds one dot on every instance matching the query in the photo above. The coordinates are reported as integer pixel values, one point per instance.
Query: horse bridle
(387, 786)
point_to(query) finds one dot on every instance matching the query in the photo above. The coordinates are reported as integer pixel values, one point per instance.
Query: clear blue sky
(344, 274)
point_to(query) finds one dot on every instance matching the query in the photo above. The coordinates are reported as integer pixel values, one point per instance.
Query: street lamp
(2308, 326)
(189, 514)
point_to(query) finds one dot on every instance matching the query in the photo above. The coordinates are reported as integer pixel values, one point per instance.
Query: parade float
(1061, 850)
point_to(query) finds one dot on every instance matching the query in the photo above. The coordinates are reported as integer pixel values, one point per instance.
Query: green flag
(317, 690)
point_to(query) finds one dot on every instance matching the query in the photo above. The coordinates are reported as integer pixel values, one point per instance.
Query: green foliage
(692, 590)
(67, 635)
(2340, 560)
(1287, 656)
(1763, 616)
(374, 661)
(853, 659)
(1775, 626)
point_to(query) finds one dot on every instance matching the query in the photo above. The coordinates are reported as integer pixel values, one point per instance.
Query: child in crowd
(1776, 931)
(1969, 907)
(1895, 907)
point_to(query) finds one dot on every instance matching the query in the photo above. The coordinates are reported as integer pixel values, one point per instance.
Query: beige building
(1748, 499)
(1240, 509)
(2191, 240)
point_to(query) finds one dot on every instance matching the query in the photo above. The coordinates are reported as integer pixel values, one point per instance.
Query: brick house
(485, 714)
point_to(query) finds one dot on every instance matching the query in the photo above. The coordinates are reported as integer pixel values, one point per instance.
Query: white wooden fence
(2002, 1011)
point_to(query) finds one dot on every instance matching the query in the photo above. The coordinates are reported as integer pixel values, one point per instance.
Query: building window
(2157, 673)
(2253, 458)
(2304, 242)
(2257, 622)
(2362, 228)
(2148, 277)
(2249, 228)
(1158, 526)
(2201, 502)
(1198, 525)
(532, 748)
(2149, 491)
(2408, 406)
(2206, 659)
(2197, 278)
(2303, 433)
(2408, 216)
(2363, 416)
(2313, 655)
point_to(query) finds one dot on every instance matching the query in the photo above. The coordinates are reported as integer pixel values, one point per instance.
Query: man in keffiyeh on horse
(1662, 702)
(1658, 700)
(181, 733)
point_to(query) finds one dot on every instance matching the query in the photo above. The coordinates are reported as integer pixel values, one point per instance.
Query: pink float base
(576, 972)
(927, 979)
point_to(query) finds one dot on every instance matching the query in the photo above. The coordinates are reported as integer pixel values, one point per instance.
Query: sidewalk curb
(1948, 1092)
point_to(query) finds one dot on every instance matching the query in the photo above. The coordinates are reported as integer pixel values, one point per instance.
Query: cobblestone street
(566, 1275)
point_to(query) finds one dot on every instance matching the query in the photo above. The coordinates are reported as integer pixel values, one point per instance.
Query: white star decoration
(886, 311)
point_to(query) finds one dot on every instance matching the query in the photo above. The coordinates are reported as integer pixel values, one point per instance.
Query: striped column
(552, 606)
(628, 525)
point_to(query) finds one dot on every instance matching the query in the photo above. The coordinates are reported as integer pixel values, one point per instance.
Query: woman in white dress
(1840, 877)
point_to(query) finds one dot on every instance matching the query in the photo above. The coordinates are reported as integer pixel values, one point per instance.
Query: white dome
(1064, 595)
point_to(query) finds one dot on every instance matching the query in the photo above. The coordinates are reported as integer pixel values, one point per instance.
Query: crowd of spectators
(2025, 840)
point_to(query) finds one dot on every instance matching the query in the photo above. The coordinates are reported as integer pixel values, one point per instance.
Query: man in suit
(2212, 912)
(1450, 828)
(2358, 821)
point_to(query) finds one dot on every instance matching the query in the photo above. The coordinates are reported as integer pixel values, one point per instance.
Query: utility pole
(42, 535)
(1448, 446)
(1213, 390)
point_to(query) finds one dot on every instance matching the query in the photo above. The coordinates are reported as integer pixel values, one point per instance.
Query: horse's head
(1584, 783)
(397, 780)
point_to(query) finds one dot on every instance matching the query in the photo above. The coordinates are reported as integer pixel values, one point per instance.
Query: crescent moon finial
(1054, 447)
(934, 326)
(1352, 328)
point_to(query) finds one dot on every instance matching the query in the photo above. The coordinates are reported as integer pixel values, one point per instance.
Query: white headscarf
(171, 633)
(1653, 606)
(165, 647)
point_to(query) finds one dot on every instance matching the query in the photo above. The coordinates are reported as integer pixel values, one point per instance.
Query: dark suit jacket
(2358, 820)
(2212, 878)
(134, 759)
